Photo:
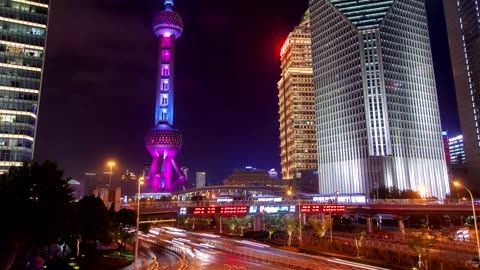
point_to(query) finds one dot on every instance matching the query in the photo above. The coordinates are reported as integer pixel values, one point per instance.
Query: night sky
(99, 84)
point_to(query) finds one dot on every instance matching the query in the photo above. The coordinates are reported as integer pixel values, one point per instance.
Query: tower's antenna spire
(168, 5)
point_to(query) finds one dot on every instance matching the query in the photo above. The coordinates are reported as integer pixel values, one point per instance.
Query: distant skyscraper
(298, 145)
(457, 151)
(200, 179)
(463, 25)
(23, 27)
(376, 104)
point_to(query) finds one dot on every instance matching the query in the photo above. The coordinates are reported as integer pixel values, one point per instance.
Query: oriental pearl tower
(163, 141)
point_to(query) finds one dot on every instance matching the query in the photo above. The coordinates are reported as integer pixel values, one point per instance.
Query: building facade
(200, 179)
(463, 26)
(457, 150)
(250, 177)
(376, 104)
(446, 147)
(298, 146)
(22, 50)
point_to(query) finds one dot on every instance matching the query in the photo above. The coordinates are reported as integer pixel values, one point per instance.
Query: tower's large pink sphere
(168, 23)
(163, 139)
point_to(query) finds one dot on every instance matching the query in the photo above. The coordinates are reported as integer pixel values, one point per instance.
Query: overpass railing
(174, 205)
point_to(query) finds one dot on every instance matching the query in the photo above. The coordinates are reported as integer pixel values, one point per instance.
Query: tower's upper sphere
(168, 23)
(163, 139)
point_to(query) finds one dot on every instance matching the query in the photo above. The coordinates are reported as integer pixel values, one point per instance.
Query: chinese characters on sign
(322, 208)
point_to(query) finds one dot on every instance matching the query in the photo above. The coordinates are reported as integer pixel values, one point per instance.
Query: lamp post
(140, 182)
(300, 238)
(457, 184)
(111, 164)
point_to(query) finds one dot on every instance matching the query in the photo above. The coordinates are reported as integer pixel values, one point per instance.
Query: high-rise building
(163, 141)
(23, 27)
(298, 145)
(249, 177)
(446, 147)
(463, 26)
(200, 179)
(457, 149)
(376, 105)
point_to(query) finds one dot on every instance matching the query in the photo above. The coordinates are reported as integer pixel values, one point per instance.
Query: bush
(256, 235)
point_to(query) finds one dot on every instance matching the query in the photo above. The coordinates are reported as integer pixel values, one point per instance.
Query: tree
(243, 223)
(124, 223)
(421, 243)
(359, 236)
(231, 223)
(191, 220)
(271, 223)
(290, 225)
(35, 201)
(320, 226)
(91, 224)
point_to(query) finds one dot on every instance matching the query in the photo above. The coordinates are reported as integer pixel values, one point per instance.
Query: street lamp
(457, 184)
(140, 182)
(111, 164)
(300, 238)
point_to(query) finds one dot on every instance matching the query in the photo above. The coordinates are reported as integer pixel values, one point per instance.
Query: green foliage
(320, 226)
(393, 193)
(36, 203)
(290, 225)
(124, 225)
(421, 243)
(92, 223)
(271, 223)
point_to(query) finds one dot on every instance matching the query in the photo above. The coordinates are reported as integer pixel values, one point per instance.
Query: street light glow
(457, 184)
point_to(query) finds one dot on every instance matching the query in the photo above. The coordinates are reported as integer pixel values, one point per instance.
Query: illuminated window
(163, 115)
(164, 100)
(165, 85)
(165, 70)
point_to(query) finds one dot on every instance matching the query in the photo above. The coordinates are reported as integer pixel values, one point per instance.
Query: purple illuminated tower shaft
(163, 141)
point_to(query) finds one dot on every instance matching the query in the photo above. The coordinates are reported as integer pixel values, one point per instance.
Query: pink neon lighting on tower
(163, 142)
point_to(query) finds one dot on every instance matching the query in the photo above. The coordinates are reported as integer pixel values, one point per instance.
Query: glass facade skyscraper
(376, 105)
(298, 146)
(23, 28)
(463, 26)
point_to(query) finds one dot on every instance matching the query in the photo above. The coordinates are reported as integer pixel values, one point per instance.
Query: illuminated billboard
(322, 208)
(271, 209)
(205, 210)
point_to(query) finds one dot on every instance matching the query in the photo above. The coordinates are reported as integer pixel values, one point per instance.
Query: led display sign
(322, 208)
(271, 209)
(224, 210)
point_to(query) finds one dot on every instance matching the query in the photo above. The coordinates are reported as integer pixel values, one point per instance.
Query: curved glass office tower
(376, 104)
(23, 29)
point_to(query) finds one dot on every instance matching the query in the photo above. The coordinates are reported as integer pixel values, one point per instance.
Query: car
(473, 262)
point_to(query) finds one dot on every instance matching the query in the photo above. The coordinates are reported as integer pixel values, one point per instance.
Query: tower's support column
(369, 224)
(154, 181)
(167, 173)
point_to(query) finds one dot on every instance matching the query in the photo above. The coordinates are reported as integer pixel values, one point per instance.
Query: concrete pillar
(257, 225)
(369, 224)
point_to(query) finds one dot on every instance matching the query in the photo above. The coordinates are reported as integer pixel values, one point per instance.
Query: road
(208, 251)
